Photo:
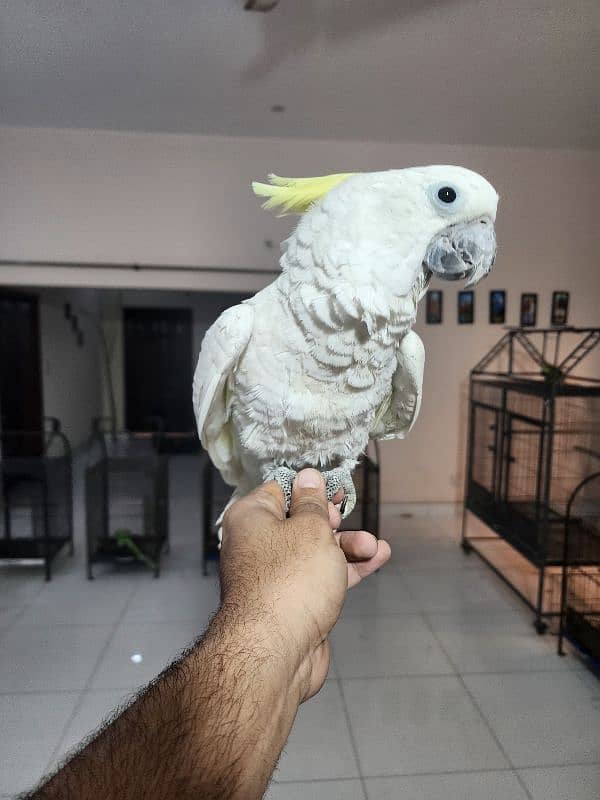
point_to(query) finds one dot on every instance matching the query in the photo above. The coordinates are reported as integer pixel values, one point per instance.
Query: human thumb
(308, 494)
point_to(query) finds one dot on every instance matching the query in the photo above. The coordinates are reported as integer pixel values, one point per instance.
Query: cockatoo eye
(445, 198)
(447, 194)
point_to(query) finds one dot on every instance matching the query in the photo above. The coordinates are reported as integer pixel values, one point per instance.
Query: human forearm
(211, 726)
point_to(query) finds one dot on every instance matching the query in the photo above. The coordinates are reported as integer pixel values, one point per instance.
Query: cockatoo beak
(466, 250)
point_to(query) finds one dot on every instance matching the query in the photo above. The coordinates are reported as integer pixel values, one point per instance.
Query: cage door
(484, 444)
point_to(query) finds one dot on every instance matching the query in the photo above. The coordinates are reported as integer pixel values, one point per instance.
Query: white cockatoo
(324, 358)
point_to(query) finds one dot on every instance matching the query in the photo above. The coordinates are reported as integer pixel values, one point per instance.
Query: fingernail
(309, 479)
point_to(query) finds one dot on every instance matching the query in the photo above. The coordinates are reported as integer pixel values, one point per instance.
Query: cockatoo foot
(341, 478)
(285, 477)
(335, 479)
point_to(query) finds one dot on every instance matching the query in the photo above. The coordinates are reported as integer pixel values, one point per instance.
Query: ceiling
(451, 71)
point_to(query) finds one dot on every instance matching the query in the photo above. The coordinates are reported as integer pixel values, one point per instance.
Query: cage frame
(553, 378)
(103, 428)
(19, 549)
(573, 625)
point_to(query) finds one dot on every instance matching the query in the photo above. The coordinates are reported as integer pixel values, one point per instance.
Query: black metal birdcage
(215, 495)
(36, 497)
(534, 426)
(365, 516)
(580, 591)
(127, 498)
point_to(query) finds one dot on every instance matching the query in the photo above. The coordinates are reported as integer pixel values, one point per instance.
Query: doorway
(158, 369)
(20, 374)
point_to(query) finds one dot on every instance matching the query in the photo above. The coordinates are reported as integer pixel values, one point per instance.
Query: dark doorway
(158, 369)
(20, 375)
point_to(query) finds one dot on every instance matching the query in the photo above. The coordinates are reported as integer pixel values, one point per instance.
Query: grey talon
(285, 477)
(341, 478)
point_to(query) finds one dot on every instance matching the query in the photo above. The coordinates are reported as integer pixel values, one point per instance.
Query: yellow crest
(296, 194)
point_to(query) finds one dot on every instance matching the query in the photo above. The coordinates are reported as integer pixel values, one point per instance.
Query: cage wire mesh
(36, 500)
(534, 431)
(127, 498)
(580, 600)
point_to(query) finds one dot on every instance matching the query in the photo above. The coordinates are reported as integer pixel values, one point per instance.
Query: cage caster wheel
(466, 547)
(540, 627)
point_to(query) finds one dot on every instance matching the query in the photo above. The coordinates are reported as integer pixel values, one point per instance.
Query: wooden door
(158, 368)
(20, 374)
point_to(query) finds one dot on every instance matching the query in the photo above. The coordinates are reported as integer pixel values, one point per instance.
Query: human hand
(287, 577)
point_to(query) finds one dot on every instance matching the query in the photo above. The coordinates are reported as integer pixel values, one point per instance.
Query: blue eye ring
(445, 197)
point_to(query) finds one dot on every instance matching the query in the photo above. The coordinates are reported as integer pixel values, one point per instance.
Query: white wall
(168, 199)
(71, 374)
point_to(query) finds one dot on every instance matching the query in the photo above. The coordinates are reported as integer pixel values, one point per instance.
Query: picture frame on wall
(434, 307)
(497, 306)
(529, 302)
(560, 308)
(466, 307)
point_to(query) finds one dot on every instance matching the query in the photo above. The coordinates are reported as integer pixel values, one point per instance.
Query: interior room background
(86, 197)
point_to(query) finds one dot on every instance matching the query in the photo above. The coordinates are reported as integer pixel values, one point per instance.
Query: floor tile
(415, 725)
(496, 642)
(423, 557)
(386, 645)
(540, 718)
(158, 644)
(382, 593)
(418, 725)
(186, 556)
(57, 657)
(563, 783)
(19, 585)
(94, 707)
(332, 672)
(459, 786)
(31, 725)
(428, 548)
(316, 790)
(588, 679)
(73, 599)
(7, 617)
(459, 590)
(187, 596)
(319, 746)
(420, 526)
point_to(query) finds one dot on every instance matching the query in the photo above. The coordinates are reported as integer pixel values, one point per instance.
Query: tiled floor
(439, 689)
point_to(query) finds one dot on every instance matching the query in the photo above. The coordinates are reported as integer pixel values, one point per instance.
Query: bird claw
(341, 478)
(285, 477)
(335, 479)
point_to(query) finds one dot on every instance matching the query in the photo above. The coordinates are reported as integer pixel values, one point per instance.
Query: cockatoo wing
(401, 409)
(222, 347)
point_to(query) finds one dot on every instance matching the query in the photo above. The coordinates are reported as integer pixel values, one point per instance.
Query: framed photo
(497, 306)
(466, 307)
(434, 306)
(560, 308)
(529, 309)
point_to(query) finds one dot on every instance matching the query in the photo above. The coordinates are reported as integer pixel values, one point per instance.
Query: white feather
(324, 358)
